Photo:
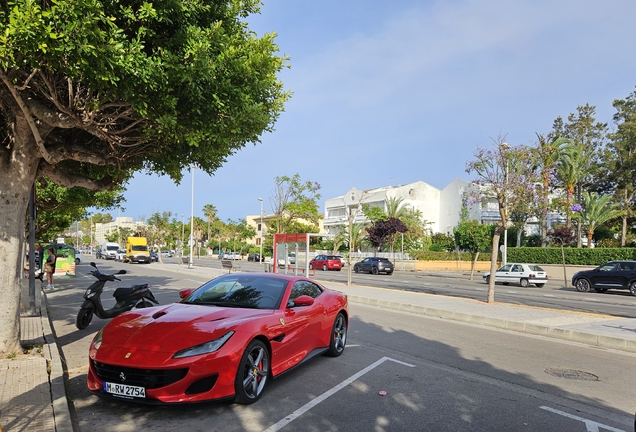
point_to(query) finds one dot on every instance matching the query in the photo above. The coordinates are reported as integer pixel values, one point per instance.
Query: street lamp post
(261, 254)
(190, 261)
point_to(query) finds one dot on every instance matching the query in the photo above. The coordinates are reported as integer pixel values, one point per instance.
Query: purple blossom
(575, 207)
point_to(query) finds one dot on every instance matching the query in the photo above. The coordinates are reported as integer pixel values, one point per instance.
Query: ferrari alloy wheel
(582, 285)
(338, 336)
(84, 317)
(252, 373)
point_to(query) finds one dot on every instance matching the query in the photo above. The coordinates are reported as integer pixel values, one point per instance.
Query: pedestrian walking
(49, 268)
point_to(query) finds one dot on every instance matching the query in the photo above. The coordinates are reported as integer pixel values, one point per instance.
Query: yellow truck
(137, 250)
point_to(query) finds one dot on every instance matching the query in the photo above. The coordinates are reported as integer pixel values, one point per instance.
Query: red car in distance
(224, 340)
(326, 262)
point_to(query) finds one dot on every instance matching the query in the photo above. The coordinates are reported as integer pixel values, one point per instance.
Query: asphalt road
(552, 295)
(399, 372)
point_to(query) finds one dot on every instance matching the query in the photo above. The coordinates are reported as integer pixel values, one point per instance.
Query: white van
(109, 250)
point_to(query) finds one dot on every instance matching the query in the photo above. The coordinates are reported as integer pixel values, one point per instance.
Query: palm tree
(209, 211)
(575, 164)
(547, 155)
(597, 209)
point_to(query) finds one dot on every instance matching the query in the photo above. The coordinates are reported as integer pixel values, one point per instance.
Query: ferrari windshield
(254, 292)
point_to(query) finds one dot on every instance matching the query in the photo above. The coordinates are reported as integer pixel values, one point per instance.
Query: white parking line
(590, 425)
(548, 295)
(511, 292)
(303, 409)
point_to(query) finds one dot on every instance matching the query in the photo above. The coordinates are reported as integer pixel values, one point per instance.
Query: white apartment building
(103, 229)
(440, 208)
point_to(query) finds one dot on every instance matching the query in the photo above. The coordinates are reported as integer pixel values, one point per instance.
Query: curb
(586, 338)
(57, 381)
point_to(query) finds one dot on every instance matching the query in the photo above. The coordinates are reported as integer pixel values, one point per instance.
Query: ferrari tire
(324, 267)
(253, 373)
(374, 270)
(338, 338)
(84, 317)
(356, 269)
(311, 267)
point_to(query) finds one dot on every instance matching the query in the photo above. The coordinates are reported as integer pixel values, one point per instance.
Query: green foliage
(446, 256)
(295, 199)
(473, 236)
(442, 241)
(573, 256)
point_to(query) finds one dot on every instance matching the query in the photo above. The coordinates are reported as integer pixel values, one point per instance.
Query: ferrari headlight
(205, 348)
(97, 340)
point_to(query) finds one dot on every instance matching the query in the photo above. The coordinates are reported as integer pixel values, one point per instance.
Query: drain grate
(571, 374)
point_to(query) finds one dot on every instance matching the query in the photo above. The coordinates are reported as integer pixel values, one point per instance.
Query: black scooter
(127, 298)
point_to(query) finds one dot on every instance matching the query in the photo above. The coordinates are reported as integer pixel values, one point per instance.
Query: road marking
(303, 409)
(590, 425)
(548, 295)
(592, 300)
(511, 292)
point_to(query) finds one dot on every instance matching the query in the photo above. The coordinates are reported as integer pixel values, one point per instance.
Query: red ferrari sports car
(224, 340)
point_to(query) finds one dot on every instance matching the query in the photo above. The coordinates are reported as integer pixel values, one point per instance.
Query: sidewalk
(33, 400)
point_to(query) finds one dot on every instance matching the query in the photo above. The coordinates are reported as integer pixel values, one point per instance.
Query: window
(304, 288)
(258, 227)
(258, 242)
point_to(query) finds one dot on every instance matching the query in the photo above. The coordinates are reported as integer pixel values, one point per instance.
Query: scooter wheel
(84, 317)
(143, 303)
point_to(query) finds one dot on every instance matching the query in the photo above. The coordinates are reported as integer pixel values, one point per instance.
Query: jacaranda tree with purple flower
(506, 175)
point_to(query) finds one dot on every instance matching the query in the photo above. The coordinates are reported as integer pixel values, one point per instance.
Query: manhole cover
(571, 374)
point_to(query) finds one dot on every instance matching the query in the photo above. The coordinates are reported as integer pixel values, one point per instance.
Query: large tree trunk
(18, 175)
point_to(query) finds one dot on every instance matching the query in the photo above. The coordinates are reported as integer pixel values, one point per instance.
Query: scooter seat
(123, 291)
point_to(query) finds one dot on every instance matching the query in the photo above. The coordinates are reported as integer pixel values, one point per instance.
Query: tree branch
(69, 180)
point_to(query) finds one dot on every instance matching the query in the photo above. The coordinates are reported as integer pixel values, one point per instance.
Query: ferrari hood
(175, 327)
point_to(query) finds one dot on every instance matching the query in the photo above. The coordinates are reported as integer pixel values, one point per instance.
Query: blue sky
(389, 93)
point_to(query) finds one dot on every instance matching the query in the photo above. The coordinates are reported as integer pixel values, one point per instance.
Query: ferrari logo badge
(282, 322)
(127, 355)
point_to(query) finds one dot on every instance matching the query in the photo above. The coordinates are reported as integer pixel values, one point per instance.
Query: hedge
(551, 255)
(573, 256)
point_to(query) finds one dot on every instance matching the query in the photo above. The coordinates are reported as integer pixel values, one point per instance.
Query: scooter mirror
(93, 264)
(121, 272)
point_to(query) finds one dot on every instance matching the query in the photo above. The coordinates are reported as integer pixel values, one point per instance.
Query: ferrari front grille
(148, 378)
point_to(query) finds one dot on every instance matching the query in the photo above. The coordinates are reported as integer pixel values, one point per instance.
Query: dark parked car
(326, 262)
(611, 275)
(254, 257)
(154, 256)
(374, 265)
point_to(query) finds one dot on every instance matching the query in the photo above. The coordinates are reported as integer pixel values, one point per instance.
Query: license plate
(124, 390)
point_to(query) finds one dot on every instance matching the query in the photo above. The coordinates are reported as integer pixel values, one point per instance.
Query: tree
(506, 175)
(474, 237)
(93, 91)
(547, 155)
(574, 166)
(294, 199)
(620, 160)
(380, 232)
(587, 136)
(209, 211)
(596, 210)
